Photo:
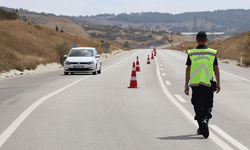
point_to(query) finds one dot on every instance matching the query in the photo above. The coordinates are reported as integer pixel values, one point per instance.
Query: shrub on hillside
(38, 27)
(62, 49)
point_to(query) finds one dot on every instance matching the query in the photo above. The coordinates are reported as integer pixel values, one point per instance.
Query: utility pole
(212, 32)
(194, 25)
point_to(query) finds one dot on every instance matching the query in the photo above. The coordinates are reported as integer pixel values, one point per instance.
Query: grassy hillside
(230, 48)
(52, 21)
(137, 38)
(24, 45)
(229, 21)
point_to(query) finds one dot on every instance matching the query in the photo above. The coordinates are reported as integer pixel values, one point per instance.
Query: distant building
(208, 33)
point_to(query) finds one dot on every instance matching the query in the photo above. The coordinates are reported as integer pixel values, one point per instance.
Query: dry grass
(24, 46)
(62, 22)
(230, 48)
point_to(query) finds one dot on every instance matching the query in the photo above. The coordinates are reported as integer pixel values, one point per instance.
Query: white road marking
(228, 138)
(163, 74)
(161, 68)
(168, 82)
(235, 76)
(180, 98)
(11, 129)
(160, 64)
(120, 62)
(7, 133)
(212, 136)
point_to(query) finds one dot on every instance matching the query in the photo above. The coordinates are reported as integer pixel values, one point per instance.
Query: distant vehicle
(151, 47)
(82, 60)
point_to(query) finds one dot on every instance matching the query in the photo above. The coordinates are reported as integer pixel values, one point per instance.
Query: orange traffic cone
(138, 65)
(133, 81)
(152, 57)
(154, 52)
(148, 62)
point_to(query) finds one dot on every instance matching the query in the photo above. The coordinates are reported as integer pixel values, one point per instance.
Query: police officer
(201, 63)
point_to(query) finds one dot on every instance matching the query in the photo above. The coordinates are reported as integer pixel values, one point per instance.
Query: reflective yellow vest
(202, 66)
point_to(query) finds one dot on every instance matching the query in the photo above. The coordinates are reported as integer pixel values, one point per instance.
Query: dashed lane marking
(163, 74)
(11, 129)
(168, 82)
(212, 136)
(161, 68)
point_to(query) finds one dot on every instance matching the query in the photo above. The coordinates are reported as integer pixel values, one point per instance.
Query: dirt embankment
(24, 45)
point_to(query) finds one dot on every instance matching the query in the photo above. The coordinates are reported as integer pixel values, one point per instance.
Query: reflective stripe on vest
(198, 69)
(202, 66)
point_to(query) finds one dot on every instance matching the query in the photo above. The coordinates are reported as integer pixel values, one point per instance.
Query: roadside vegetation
(24, 45)
(230, 48)
(8, 15)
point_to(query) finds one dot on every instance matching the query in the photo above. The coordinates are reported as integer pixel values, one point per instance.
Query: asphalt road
(52, 111)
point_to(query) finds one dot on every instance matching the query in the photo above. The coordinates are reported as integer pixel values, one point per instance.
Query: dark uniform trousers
(202, 100)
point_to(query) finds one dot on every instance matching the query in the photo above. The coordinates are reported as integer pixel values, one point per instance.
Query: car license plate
(78, 66)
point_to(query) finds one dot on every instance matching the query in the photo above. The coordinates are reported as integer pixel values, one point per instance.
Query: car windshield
(81, 53)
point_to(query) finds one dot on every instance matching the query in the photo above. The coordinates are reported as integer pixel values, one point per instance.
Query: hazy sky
(93, 7)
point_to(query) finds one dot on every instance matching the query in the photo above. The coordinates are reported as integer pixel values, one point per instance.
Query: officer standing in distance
(201, 63)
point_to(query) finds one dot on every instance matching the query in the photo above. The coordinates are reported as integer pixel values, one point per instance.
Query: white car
(82, 60)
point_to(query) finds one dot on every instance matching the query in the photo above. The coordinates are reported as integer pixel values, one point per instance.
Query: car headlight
(67, 63)
(91, 62)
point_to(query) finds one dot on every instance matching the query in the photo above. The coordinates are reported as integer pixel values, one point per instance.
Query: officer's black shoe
(199, 132)
(205, 130)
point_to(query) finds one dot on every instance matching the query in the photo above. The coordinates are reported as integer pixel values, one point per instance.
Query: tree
(7, 15)
(56, 28)
(157, 27)
(126, 45)
(171, 41)
(102, 41)
(177, 33)
(62, 49)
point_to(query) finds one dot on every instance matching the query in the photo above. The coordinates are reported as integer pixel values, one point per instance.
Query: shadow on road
(182, 137)
(76, 74)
